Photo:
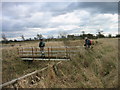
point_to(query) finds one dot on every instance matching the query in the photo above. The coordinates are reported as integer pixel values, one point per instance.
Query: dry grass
(13, 66)
(93, 68)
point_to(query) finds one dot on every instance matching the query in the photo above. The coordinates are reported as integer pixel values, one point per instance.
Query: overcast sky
(51, 18)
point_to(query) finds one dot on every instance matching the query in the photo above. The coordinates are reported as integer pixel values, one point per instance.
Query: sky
(52, 18)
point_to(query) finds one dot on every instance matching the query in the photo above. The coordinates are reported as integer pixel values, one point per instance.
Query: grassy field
(93, 68)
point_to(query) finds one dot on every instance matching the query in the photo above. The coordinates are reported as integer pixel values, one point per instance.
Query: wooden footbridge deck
(50, 53)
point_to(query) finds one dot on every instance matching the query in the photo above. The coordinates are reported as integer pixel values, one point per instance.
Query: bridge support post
(66, 52)
(51, 51)
(22, 50)
(48, 53)
(32, 53)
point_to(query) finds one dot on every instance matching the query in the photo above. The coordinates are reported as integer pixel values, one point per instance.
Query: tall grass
(93, 68)
(89, 68)
(13, 67)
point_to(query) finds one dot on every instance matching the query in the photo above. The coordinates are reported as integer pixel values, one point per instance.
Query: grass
(92, 68)
(13, 66)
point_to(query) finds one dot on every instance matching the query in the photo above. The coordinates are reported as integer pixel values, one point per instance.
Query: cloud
(68, 18)
(96, 7)
(48, 18)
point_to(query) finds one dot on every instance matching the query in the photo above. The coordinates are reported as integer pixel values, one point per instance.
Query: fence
(63, 52)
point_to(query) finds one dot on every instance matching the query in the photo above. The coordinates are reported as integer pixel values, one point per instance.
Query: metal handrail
(52, 51)
(54, 47)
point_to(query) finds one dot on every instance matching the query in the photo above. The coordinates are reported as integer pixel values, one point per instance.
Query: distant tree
(83, 32)
(100, 35)
(118, 35)
(50, 37)
(63, 34)
(4, 38)
(30, 39)
(109, 36)
(70, 36)
(39, 36)
(23, 38)
(15, 40)
(91, 36)
(58, 36)
(83, 35)
(99, 32)
(10, 40)
(35, 38)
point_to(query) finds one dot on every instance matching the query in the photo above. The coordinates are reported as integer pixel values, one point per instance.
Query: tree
(83, 32)
(58, 37)
(35, 38)
(30, 39)
(91, 36)
(118, 35)
(50, 37)
(10, 40)
(83, 35)
(100, 35)
(15, 40)
(39, 36)
(4, 38)
(109, 35)
(23, 38)
(63, 34)
(70, 36)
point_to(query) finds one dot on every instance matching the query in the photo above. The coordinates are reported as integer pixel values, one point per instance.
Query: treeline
(61, 36)
(5, 40)
(91, 36)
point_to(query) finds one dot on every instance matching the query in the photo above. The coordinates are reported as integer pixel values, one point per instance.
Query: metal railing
(49, 52)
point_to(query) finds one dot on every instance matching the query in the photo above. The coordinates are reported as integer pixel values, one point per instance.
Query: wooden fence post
(22, 51)
(66, 52)
(48, 53)
(32, 54)
(51, 51)
(56, 54)
(36, 51)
